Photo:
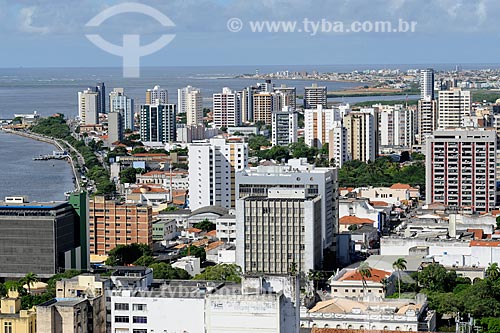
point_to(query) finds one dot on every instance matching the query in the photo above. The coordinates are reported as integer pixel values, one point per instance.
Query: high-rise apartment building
(427, 84)
(296, 174)
(460, 167)
(288, 96)
(362, 134)
(337, 144)
(227, 108)
(119, 102)
(397, 126)
(100, 89)
(317, 124)
(158, 123)
(284, 128)
(314, 96)
(453, 106)
(88, 107)
(112, 224)
(156, 95)
(427, 119)
(190, 102)
(115, 127)
(278, 230)
(264, 103)
(41, 238)
(212, 167)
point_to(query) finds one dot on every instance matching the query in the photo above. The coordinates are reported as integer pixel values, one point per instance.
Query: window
(121, 306)
(121, 319)
(139, 307)
(140, 331)
(7, 327)
(140, 320)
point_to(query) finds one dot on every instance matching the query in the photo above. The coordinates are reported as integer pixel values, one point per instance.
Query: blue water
(20, 175)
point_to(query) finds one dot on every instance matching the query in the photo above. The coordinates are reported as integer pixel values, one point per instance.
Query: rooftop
(354, 220)
(377, 275)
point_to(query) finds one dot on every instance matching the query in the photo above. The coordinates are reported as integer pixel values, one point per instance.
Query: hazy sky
(51, 33)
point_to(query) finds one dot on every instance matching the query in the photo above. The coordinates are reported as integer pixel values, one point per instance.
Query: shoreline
(51, 141)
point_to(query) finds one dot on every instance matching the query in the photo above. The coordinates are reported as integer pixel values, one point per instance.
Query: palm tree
(366, 272)
(30, 278)
(315, 276)
(493, 271)
(399, 265)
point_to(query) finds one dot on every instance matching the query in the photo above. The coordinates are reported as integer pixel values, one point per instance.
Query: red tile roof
(379, 203)
(195, 230)
(399, 186)
(485, 243)
(478, 233)
(377, 275)
(354, 220)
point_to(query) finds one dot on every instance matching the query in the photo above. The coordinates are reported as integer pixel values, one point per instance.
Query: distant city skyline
(52, 33)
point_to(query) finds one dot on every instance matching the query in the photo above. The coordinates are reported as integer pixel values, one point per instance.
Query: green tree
(221, 272)
(255, 142)
(195, 251)
(123, 255)
(315, 276)
(366, 272)
(29, 279)
(498, 222)
(163, 270)
(435, 277)
(399, 265)
(493, 271)
(293, 269)
(205, 225)
(139, 150)
(145, 260)
(128, 175)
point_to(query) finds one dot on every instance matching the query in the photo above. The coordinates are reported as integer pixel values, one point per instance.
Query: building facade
(264, 104)
(190, 102)
(362, 134)
(115, 127)
(212, 167)
(38, 238)
(157, 95)
(158, 123)
(461, 168)
(119, 102)
(317, 125)
(453, 106)
(284, 127)
(112, 224)
(315, 96)
(297, 174)
(88, 107)
(397, 126)
(279, 230)
(226, 108)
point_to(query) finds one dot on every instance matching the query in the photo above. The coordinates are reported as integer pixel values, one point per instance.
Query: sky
(52, 33)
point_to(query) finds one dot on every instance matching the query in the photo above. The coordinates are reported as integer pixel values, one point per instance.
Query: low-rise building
(13, 319)
(190, 264)
(165, 230)
(349, 283)
(371, 313)
(226, 228)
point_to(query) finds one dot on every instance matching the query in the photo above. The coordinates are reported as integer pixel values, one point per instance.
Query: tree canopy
(127, 254)
(221, 272)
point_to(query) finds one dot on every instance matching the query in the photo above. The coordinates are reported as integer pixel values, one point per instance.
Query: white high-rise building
(427, 84)
(318, 123)
(156, 95)
(284, 128)
(460, 167)
(212, 167)
(88, 106)
(397, 126)
(337, 144)
(362, 134)
(190, 101)
(427, 119)
(315, 96)
(289, 96)
(227, 108)
(119, 102)
(296, 174)
(453, 106)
